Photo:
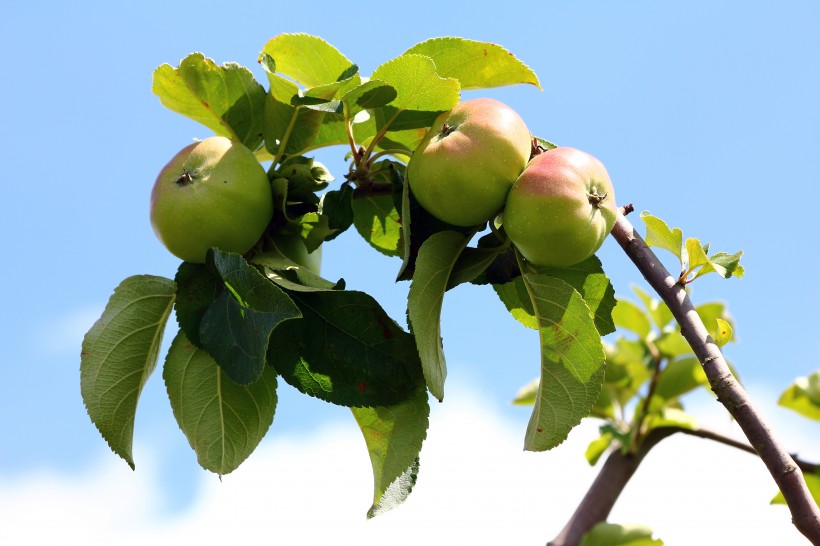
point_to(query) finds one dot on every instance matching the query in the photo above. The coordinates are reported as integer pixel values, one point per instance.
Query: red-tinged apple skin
(464, 167)
(561, 208)
(213, 193)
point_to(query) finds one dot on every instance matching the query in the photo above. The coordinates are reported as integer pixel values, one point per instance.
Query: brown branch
(619, 468)
(786, 473)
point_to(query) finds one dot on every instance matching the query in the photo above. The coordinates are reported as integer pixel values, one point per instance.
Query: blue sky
(705, 114)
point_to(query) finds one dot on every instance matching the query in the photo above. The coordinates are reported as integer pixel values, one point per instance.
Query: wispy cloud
(476, 486)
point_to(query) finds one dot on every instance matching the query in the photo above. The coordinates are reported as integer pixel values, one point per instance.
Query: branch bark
(786, 473)
(619, 468)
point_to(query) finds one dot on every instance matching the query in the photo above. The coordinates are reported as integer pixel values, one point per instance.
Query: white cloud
(476, 487)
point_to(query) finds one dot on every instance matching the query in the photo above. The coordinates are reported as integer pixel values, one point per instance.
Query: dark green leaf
(337, 206)
(197, 289)
(346, 350)
(371, 94)
(223, 421)
(236, 327)
(120, 352)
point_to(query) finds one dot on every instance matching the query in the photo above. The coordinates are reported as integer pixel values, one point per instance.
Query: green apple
(213, 193)
(561, 208)
(466, 164)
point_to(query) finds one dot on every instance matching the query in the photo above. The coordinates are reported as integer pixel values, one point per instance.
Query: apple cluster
(477, 162)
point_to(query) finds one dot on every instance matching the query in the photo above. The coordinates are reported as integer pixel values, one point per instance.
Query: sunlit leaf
(803, 396)
(394, 436)
(572, 361)
(475, 64)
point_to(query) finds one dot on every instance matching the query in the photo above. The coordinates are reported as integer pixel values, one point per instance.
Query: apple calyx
(595, 200)
(185, 178)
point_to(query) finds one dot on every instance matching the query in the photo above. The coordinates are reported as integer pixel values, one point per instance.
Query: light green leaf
(394, 436)
(658, 310)
(803, 396)
(812, 482)
(120, 352)
(587, 277)
(658, 234)
(475, 64)
(612, 534)
(526, 394)
(679, 377)
(226, 99)
(572, 361)
(672, 344)
(631, 317)
(598, 447)
(724, 332)
(377, 220)
(421, 93)
(307, 59)
(671, 417)
(435, 261)
(223, 421)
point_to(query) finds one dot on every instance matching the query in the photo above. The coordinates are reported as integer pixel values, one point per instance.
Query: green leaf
(296, 128)
(812, 482)
(421, 93)
(474, 262)
(289, 275)
(337, 206)
(307, 59)
(120, 352)
(236, 327)
(658, 234)
(672, 344)
(223, 421)
(598, 447)
(526, 394)
(679, 377)
(377, 221)
(475, 64)
(670, 417)
(345, 350)
(723, 332)
(197, 289)
(631, 317)
(612, 534)
(226, 99)
(589, 279)
(658, 310)
(803, 396)
(627, 368)
(586, 277)
(572, 361)
(371, 94)
(394, 436)
(435, 262)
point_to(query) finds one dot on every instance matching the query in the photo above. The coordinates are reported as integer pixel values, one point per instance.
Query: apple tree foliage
(247, 322)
